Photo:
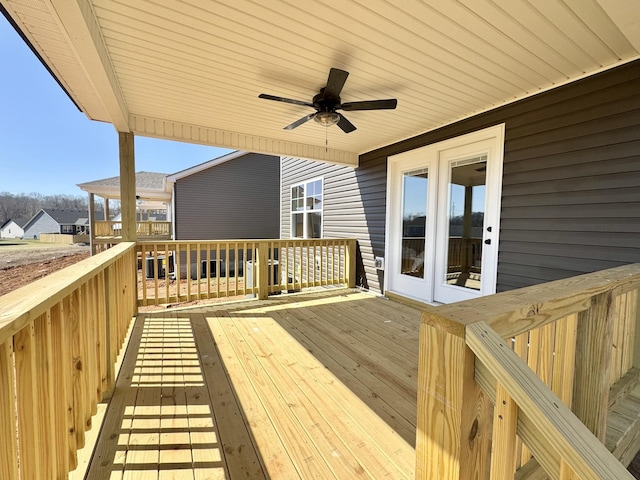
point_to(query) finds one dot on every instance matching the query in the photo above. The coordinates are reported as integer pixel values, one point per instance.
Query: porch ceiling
(192, 70)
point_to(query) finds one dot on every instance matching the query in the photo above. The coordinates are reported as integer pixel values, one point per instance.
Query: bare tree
(26, 206)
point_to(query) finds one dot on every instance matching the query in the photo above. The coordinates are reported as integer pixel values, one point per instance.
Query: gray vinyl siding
(354, 202)
(42, 224)
(239, 198)
(571, 183)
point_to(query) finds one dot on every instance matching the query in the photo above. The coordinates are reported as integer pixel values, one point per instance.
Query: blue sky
(48, 146)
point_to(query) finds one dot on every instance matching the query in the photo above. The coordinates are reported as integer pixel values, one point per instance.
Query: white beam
(158, 128)
(78, 21)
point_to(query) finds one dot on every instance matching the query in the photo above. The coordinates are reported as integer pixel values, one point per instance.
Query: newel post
(350, 263)
(263, 271)
(594, 344)
(452, 439)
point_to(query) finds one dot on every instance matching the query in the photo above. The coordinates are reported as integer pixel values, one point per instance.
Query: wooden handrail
(20, 306)
(578, 338)
(59, 339)
(547, 421)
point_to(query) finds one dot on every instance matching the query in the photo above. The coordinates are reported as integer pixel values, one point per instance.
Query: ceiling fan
(327, 101)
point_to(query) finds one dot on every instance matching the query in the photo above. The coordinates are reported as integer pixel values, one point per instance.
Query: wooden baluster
(592, 364)
(29, 435)
(8, 441)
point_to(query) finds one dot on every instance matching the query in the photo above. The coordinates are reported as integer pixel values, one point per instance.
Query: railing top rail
(518, 311)
(550, 422)
(19, 307)
(244, 240)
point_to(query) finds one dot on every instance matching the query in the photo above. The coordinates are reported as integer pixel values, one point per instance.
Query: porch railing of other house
(182, 271)
(59, 340)
(532, 382)
(113, 228)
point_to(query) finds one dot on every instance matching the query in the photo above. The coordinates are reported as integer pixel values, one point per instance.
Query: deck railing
(540, 374)
(59, 339)
(182, 271)
(113, 228)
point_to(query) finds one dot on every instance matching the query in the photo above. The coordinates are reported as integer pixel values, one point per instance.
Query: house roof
(192, 71)
(67, 217)
(21, 222)
(149, 186)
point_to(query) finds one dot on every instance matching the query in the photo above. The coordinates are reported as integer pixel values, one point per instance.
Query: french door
(443, 218)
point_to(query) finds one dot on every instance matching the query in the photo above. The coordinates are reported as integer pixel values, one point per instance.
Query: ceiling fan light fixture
(327, 118)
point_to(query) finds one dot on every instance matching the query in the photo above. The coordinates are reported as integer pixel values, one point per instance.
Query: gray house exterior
(235, 196)
(51, 220)
(570, 201)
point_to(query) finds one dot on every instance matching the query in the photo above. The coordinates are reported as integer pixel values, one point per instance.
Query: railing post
(452, 440)
(350, 263)
(263, 271)
(593, 364)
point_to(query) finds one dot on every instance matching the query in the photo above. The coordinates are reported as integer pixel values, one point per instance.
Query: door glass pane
(466, 223)
(414, 222)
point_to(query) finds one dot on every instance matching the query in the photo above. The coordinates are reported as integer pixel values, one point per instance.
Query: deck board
(317, 385)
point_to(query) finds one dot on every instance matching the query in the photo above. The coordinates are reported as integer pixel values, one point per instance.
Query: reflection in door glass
(466, 222)
(414, 222)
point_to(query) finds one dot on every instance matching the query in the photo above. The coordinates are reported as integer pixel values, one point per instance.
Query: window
(306, 209)
(68, 229)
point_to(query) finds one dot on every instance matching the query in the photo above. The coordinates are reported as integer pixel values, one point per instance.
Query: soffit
(192, 70)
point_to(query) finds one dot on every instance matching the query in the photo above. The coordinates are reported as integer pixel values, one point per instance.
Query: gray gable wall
(237, 199)
(41, 223)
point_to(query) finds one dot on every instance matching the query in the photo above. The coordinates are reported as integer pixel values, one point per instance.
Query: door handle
(488, 241)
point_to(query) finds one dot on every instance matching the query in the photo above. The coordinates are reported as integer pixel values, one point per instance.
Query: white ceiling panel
(192, 70)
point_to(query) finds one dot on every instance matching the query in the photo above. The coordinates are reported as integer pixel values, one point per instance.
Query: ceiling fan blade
(388, 104)
(285, 100)
(345, 124)
(335, 82)
(297, 123)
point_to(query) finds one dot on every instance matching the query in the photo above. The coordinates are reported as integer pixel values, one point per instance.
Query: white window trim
(303, 212)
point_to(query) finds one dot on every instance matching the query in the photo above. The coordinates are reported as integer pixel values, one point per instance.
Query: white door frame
(429, 156)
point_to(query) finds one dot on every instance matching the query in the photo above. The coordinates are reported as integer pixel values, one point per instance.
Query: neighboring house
(13, 228)
(558, 176)
(51, 220)
(233, 196)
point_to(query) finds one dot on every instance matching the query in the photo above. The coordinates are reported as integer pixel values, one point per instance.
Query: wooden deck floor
(319, 385)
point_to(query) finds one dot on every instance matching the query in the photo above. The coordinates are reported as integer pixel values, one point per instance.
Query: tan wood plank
(564, 361)
(44, 380)
(244, 461)
(304, 454)
(29, 436)
(503, 445)
(276, 457)
(593, 363)
(8, 427)
(451, 407)
(351, 368)
(329, 406)
(109, 456)
(558, 428)
(339, 459)
(392, 371)
(143, 446)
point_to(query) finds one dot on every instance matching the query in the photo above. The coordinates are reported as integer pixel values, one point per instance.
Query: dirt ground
(22, 262)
